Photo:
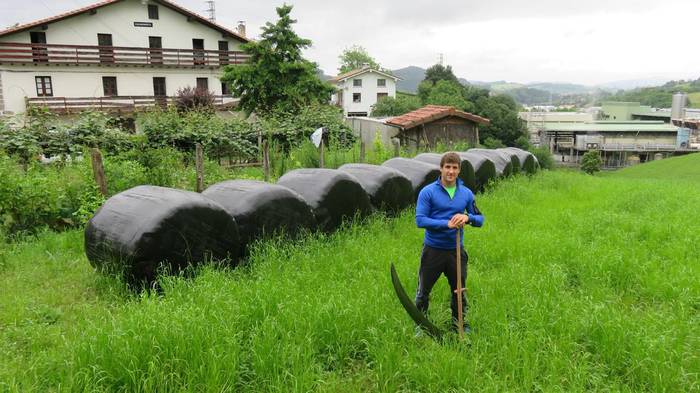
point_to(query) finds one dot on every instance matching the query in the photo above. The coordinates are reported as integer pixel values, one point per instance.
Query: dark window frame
(383, 84)
(357, 82)
(205, 81)
(153, 12)
(109, 86)
(225, 91)
(382, 95)
(43, 89)
(358, 99)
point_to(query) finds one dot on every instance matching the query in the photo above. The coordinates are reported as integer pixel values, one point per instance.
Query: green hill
(676, 168)
(661, 96)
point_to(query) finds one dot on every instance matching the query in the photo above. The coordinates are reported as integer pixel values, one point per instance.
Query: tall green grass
(576, 283)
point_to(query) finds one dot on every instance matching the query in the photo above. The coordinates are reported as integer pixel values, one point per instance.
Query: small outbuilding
(435, 123)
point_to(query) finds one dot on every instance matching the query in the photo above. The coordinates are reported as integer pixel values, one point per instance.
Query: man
(440, 210)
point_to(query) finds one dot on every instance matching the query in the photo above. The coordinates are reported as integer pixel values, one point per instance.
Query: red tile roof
(101, 4)
(430, 113)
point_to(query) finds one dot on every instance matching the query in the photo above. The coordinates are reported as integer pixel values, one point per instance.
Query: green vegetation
(682, 168)
(276, 77)
(390, 106)
(661, 96)
(591, 162)
(567, 293)
(356, 57)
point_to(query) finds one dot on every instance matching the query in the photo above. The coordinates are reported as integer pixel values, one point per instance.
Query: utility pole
(211, 10)
(441, 59)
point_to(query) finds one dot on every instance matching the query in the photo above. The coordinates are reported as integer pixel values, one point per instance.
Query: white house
(359, 89)
(114, 55)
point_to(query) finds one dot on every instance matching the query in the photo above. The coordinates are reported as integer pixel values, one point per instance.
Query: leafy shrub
(493, 143)
(289, 130)
(390, 106)
(194, 99)
(591, 162)
(544, 157)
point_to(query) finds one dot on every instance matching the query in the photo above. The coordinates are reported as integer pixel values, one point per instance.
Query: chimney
(241, 28)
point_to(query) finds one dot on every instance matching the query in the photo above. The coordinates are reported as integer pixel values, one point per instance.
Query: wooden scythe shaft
(458, 291)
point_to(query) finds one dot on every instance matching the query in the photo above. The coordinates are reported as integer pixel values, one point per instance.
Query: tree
(448, 93)
(276, 76)
(439, 72)
(591, 162)
(356, 57)
(390, 106)
(505, 125)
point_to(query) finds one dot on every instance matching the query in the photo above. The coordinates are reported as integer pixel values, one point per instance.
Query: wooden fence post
(98, 170)
(199, 165)
(266, 160)
(320, 154)
(363, 149)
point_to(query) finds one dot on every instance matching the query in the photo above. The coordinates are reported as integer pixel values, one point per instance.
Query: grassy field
(681, 168)
(576, 283)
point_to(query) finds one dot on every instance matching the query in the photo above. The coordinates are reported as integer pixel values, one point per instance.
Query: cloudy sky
(587, 42)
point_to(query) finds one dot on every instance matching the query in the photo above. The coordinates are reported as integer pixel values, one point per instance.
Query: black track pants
(433, 263)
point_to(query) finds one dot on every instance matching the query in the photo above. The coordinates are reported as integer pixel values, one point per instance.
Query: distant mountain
(633, 83)
(410, 76)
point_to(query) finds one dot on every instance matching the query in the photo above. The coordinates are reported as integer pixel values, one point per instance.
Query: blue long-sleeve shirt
(435, 208)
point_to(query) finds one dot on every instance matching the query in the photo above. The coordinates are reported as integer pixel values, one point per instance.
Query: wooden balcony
(51, 54)
(118, 104)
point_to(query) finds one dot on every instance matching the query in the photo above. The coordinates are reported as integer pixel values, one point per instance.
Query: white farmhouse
(114, 55)
(359, 89)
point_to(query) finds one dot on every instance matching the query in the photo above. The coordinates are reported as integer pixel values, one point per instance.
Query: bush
(591, 162)
(544, 157)
(493, 143)
(390, 106)
(289, 130)
(191, 99)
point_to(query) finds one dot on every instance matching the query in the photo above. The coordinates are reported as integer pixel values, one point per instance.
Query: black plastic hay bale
(466, 170)
(503, 162)
(528, 161)
(140, 230)
(484, 169)
(261, 209)
(419, 173)
(514, 159)
(333, 195)
(388, 189)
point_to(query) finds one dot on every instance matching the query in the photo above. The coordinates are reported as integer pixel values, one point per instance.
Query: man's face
(449, 172)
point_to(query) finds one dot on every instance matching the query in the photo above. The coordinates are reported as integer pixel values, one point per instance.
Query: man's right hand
(458, 221)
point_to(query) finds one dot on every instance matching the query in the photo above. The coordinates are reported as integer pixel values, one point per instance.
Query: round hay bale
(484, 169)
(528, 161)
(503, 162)
(261, 209)
(333, 195)
(140, 230)
(466, 170)
(514, 159)
(419, 173)
(388, 189)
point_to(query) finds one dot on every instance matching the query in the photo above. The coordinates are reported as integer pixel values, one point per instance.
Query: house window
(381, 82)
(203, 83)
(223, 53)
(357, 82)
(109, 86)
(224, 89)
(159, 87)
(43, 86)
(381, 95)
(152, 11)
(356, 97)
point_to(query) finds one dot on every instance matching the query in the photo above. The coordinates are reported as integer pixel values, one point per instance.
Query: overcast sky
(587, 42)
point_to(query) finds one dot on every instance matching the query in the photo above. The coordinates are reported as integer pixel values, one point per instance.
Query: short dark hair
(450, 158)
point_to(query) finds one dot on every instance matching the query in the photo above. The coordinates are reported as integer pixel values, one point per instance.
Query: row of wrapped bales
(333, 195)
(528, 161)
(503, 162)
(484, 169)
(140, 230)
(143, 229)
(466, 169)
(262, 209)
(419, 173)
(388, 189)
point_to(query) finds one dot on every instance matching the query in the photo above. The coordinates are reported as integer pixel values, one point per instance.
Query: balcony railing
(20, 53)
(113, 104)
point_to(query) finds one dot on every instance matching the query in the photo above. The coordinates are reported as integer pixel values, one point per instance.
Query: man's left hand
(458, 221)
